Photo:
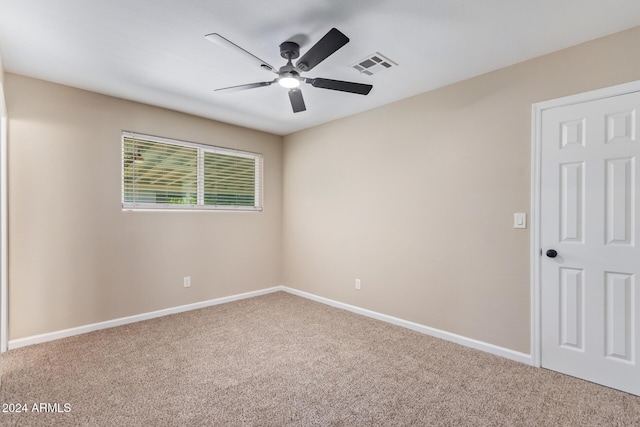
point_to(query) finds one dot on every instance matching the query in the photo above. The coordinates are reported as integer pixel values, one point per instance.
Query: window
(159, 173)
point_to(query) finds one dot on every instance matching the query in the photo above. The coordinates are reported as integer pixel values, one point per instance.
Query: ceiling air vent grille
(373, 64)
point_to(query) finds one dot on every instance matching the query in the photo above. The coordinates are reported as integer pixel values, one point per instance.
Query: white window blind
(159, 173)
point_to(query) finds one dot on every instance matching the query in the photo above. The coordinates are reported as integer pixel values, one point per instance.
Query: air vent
(373, 64)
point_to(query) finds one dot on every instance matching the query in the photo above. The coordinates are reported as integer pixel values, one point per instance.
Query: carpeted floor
(278, 360)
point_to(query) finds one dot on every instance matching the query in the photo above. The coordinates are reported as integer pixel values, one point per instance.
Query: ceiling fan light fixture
(289, 80)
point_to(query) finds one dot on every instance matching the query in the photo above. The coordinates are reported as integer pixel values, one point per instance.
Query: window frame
(201, 149)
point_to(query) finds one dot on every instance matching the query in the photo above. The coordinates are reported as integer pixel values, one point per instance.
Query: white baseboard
(37, 339)
(458, 339)
(448, 336)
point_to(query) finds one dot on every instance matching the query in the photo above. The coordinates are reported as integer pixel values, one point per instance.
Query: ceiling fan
(289, 75)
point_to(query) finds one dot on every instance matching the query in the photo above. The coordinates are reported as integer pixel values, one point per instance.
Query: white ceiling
(154, 51)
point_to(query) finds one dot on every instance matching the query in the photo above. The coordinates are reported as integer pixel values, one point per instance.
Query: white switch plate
(187, 281)
(358, 284)
(520, 220)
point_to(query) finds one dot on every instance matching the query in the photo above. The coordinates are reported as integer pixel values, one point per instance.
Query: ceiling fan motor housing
(289, 50)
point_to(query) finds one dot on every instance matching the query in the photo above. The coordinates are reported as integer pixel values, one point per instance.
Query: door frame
(4, 246)
(536, 175)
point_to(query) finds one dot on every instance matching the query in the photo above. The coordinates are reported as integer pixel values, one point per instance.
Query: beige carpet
(282, 360)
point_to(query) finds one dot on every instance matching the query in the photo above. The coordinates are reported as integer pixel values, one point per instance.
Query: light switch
(520, 220)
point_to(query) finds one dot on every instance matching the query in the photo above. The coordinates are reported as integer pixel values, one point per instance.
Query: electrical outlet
(358, 285)
(187, 281)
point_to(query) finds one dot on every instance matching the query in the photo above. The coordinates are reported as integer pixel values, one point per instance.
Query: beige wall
(76, 258)
(417, 198)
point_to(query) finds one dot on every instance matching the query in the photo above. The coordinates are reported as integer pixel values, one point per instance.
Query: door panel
(619, 336)
(619, 201)
(572, 308)
(572, 202)
(589, 205)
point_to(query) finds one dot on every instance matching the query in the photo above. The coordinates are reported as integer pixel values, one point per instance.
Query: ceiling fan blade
(229, 45)
(297, 101)
(331, 42)
(244, 87)
(351, 87)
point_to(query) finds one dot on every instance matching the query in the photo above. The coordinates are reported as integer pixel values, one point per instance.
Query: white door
(3, 222)
(589, 196)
